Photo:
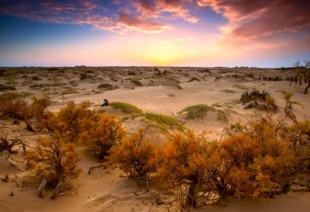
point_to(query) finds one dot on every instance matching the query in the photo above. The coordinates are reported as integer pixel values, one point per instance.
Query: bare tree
(296, 64)
(304, 72)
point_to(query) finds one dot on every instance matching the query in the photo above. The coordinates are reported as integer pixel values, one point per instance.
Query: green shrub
(6, 87)
(197, 111)
(8, 96)
(107, 86)
(126, 108)
(164, 121)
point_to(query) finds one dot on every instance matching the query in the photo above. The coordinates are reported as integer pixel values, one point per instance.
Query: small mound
(164, 121)
(126, 108)
(201, 110)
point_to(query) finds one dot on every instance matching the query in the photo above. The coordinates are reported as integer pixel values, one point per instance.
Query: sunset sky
(262, 33)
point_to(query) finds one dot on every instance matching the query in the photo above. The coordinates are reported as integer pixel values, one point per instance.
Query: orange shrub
(133, 153)
(54, 162)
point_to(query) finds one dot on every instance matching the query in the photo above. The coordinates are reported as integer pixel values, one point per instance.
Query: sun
(163, 55)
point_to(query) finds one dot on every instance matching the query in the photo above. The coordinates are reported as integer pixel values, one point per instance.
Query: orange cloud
(156, 8)
(264, 24)
(137, 15)
(252, 19)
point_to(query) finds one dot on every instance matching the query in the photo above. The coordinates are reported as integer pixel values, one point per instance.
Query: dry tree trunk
(308, 86)
(41, 187)
(60, 183)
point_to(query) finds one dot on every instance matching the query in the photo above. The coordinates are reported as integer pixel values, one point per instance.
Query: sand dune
(168, 94)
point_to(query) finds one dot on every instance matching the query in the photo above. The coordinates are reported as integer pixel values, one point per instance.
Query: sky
(259, 33)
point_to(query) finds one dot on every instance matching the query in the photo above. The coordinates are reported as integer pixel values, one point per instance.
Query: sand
(109, 189)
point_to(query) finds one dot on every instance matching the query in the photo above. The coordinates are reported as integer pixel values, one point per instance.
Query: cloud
(253, 19)
(156, 8)
(275, 27)
(112, 15)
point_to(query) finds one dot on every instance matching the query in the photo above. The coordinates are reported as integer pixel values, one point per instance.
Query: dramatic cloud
(253, 19)
(111, 15)
(157, 8)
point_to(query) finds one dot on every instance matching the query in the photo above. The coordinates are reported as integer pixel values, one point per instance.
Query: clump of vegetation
(6, 87)
(181, 163)
(288, 109)
(32, 114)
(54, 162)
(127, 108)
(164, 121)
(101, 133)
(107, 86)
(260, 100)
(136, 82)
(196, 111)
(201, 110)
(194, 79)
(9, 96)
(134, 153)
(69, 90)
(84, 76)
(228, 91)
(36, 78)
(9, 145)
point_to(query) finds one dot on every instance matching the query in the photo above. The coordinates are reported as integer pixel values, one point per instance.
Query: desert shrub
(289, 104)
(54, 162)
(127, 108)
(133, 153)
(69, 90)
(298, 135)
(222, 116)
(201, 110)
(32, 113)
(36, 78)
(181, 163)
(17, 109)
(164, 121)
(136, 82)
(101, 132)
(107, 86)
(194, 79)
(8, 96)
(254, 95)
(197, 111)
(68, 121)
(258, 161)
(260, 100)
(9, 145)
(84, 76)
(6, 87)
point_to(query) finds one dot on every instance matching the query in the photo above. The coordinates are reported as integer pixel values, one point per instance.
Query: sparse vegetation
(200, 111)
(69, 90)
(134, 153)
(164, 121)
(261, 158)
(196, 111)
(127, 108)
(54, 162)
(107, 86)
(136, 82)
(194, 79)
(6, 87)
(260, 100)
(9, 96)
(9, 145)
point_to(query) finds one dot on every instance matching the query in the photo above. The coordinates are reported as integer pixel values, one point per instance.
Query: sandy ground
(167, 93)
